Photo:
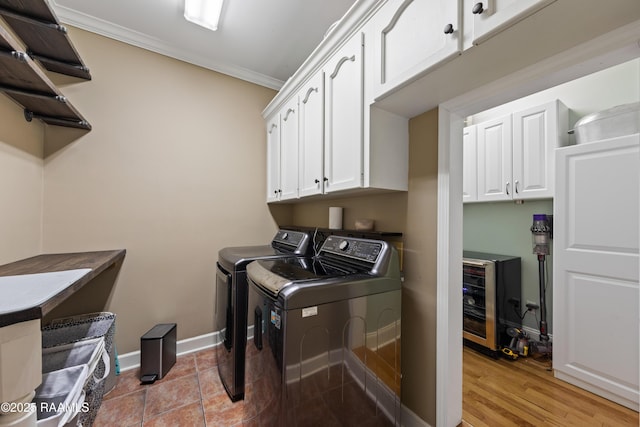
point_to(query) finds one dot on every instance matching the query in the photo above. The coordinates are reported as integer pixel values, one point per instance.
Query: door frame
(611, 49)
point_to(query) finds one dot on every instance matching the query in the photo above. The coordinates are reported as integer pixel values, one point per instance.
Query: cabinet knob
(317, 181)
(448, 29)
(478, 8)
(515, 186)
(275, 191)
(325, 179)
(280, 191)
(506, 188)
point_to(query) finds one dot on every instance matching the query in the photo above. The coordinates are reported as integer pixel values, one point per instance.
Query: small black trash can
(157, 352)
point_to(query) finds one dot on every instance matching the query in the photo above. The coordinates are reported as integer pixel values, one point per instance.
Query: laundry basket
(60, 398)
(75, 330)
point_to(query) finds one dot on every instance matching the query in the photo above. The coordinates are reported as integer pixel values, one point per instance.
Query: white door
(535, 138)
(289, 150)
(595, 298)
(343, 144)
(469, 165)
(410, 39)
(311, 105)
(493, 16)
(273, 159)
(494, 159)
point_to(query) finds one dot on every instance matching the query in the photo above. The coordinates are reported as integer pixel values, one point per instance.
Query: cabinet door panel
(498, 15)
(410, 40)
(534, 139)
(469, 165)
(273, 159)
(289, 150)
(311, 105)
(494, 160)
(344, 117)
(596, 267)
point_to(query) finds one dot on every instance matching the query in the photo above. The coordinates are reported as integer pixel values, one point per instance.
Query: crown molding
(143, 41)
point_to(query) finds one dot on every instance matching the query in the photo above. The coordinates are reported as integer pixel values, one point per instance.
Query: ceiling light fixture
(205, 13)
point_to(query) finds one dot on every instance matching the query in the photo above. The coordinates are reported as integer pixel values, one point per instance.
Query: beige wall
(20, 183)
(419, 297)
(413, 213)
(172, 171)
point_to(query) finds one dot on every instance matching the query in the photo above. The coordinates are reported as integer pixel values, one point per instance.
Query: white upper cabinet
(323, 118)
(469, 165)
(289, 150)
(282, 153)
(344, 107)
(515, 153)
(411, 37)
(494, 159)
(311, 143)
(273, 159)
(489, 17)
(537, 132)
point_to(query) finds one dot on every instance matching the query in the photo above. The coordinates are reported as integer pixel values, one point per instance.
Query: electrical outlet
(532, 305)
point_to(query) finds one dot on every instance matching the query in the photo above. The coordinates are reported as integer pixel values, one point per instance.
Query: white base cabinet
(596, 269)
(20, 371)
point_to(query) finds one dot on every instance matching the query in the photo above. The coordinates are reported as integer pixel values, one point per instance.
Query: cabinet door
(343, 146)
(273, 159)
(494, 159)
(289, 150)
(311, 105)
(469, 165)
(535, 137)
(595, 279)
(492, 16)
(410, 39)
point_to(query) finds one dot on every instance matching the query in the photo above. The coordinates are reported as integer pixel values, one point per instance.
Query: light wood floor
(525, 393)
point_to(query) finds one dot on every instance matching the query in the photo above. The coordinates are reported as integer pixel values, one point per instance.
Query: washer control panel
(349, 247)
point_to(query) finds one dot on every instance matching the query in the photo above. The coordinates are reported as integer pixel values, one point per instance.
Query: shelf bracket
(15, 54)
(70, 68)
(58, 121)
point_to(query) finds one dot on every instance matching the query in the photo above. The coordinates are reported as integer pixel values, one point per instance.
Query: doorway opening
(581, 61)
(496, 221)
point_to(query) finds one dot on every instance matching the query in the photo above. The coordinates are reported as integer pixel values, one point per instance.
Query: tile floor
(189, 395)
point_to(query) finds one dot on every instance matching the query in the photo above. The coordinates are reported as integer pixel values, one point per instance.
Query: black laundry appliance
(326, 337)
(230, 319)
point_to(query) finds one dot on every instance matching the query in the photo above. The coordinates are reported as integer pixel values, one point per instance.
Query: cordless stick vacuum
(541, 233)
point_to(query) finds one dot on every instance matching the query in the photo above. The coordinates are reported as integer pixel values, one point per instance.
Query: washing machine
(326, 337)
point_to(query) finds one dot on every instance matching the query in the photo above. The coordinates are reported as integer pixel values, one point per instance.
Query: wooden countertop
(96, 261)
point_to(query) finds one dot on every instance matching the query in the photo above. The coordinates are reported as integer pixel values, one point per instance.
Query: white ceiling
(261, 41)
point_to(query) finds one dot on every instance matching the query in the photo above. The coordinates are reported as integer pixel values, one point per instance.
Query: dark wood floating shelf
(47, 41)
(26, 84)
(97, 261)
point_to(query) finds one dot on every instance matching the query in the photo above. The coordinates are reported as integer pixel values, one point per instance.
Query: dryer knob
(285, 236)
(343, 245)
